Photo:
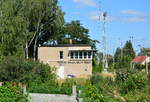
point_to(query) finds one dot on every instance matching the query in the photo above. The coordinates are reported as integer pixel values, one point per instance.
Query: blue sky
(126, 20)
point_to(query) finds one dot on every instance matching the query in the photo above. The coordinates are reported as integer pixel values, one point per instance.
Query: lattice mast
(104, 42)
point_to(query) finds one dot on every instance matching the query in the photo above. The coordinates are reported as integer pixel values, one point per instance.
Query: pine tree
(128, 49)
(117, 55)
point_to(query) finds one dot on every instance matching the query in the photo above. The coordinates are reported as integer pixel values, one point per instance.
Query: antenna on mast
(104, 40)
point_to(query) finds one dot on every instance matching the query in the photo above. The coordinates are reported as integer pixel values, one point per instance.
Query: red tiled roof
(139, 59)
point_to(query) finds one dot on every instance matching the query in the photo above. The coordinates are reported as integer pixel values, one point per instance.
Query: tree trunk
(36, 38)
(26, 52)
(35, 43)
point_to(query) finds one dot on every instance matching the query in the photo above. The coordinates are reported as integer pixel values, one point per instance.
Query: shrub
(139, 66)
(122, 74)
(50, 87)
(137, 97)
(133, 82)
(9, 93)
(97, 68)
(91, 94)
(18, 69)
(104, 84)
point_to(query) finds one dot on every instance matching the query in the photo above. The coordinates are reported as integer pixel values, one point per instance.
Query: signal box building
(69, 60)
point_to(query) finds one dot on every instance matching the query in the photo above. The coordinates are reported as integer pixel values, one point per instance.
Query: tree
(79, 34)
(124, 56)
(144, 52)
(128, 49)
(29, 22)
(11, 27)
(128, 54)
(117, 55)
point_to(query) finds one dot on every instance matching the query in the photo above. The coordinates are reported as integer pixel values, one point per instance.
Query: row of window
(78, 55)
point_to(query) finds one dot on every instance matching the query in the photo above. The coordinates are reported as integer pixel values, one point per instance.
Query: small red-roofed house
(141, 59)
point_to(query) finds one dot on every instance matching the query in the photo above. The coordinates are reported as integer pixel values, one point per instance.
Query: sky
(126, 20)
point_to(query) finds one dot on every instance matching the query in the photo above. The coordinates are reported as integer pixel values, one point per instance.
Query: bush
(133, 82)
(97, 68)
(104, 84)
(139, 66)
(9, 93)
(137, 97)
(122, 74)
(51, 88)
(91, 94)
(18, 69)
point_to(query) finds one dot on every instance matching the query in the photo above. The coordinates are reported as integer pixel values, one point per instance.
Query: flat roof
(66, 45)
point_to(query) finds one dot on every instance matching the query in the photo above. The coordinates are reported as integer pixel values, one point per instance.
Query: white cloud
(135, 19)
(94, 17)
(131, 12)
(134, 16)
(86, 2)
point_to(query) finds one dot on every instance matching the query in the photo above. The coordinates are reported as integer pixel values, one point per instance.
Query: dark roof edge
(65, 45)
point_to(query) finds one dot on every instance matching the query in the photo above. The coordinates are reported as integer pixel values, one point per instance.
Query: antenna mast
(104, 40)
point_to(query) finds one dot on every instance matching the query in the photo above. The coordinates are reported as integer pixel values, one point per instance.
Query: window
(61, 54)
(89, 54)
(80, 54)
(72, 55)
(76, 54)
(85, 54)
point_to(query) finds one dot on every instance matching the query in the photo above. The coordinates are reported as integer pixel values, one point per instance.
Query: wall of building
(147, 60)
(79, 68)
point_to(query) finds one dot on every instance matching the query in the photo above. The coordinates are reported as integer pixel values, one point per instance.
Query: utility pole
(147, 63)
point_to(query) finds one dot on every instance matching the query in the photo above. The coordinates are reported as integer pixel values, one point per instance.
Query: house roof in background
(139, 59)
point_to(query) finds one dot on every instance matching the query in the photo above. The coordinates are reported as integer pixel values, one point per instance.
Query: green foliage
(9, 93)
(97, 68)
(51, 87)
(91, 94)
(17, 69)
(128, 49)
(134, 82)
(130, 85)
(122, 74)
(144, 52)
(117, 55)
(24, 24)
(104, 84)
(137, 97)
(25, 21)
(124, 56)
(139, 66)
(79, 34)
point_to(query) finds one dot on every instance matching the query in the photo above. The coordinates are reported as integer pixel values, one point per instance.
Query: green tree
(123, 57)
(79, 34)
(11, 27)
(29, 22)
(117, 55)
(128, 49)
(144, 52)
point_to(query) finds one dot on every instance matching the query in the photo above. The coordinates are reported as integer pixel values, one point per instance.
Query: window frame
(61, 54)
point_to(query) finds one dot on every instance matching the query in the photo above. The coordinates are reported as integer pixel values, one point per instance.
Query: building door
(60, 72)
